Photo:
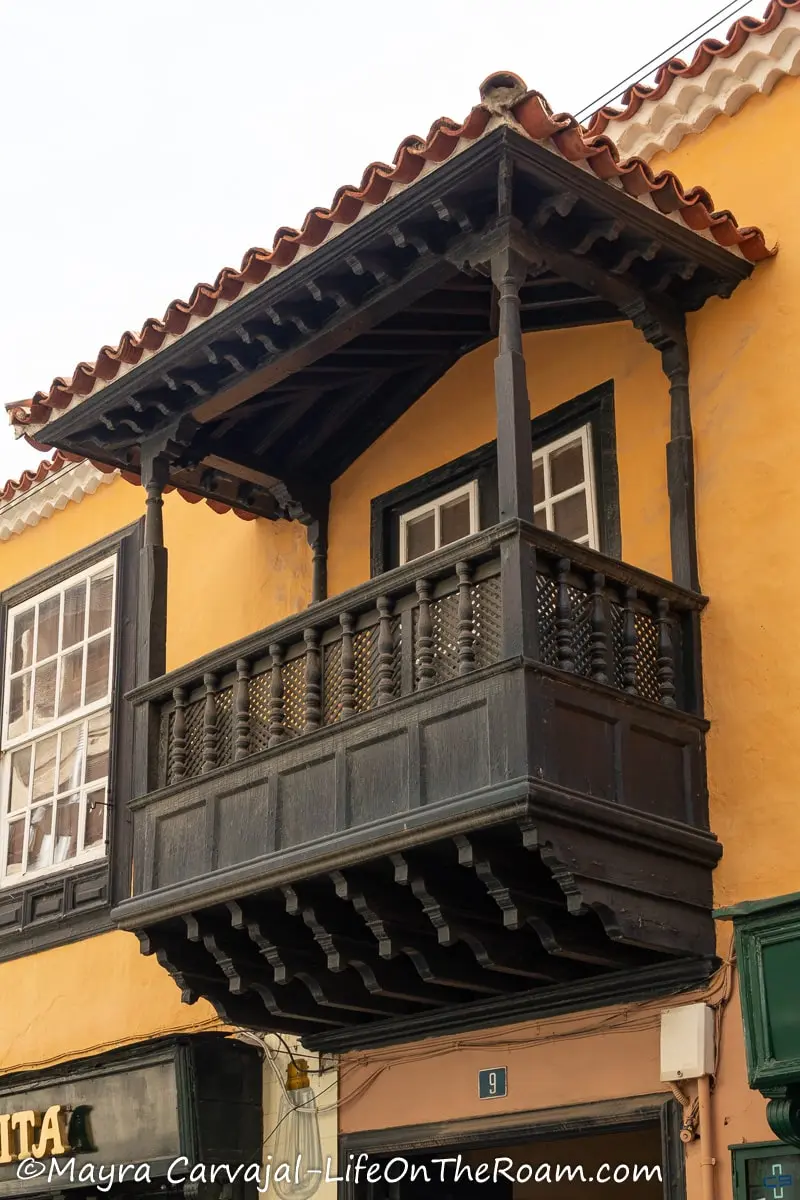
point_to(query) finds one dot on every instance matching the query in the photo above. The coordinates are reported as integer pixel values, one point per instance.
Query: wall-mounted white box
(687, 1042)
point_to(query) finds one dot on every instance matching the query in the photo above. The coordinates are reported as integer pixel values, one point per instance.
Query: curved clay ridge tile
(503, 95)
(706, 54)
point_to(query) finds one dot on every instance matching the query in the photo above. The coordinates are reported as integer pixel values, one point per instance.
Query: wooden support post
(151, 622)
(317, 535)
(514, 459)
(151, 657)
(514, 446)
(680, 466)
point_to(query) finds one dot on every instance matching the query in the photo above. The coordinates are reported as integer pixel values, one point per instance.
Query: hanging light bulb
(297, 1141)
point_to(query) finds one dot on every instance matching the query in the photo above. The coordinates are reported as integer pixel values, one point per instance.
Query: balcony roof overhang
(261, 405)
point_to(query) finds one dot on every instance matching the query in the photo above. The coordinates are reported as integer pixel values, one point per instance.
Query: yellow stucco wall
(745, 364)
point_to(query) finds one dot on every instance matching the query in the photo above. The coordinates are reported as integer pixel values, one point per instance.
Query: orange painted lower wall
(86, 997)
(607, 1054)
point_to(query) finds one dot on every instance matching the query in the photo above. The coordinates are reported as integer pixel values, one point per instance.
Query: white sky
(146, 145)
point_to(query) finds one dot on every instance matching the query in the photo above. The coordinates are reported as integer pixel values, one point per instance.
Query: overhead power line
(725, 13)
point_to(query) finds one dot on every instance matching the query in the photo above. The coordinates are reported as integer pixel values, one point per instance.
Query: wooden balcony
(474, 776)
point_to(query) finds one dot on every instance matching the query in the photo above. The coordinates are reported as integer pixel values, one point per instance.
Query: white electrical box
(687, 1042)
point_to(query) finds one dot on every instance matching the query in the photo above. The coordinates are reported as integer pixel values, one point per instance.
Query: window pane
(570, 518)
(71, 670)
(47, 638)
(20, 773)
(74, 615)
(95, 817)
(97, 748)
(455, 520)
(19, 703)
(538, 482)
(97, 660)
(16, 845)
(44, 704)
(22, 646)
(540, 518)
(66, 840)
(566, 467)
(102, 588)
(73, 750)
(40, 837)
(420, 536)
(44, 771)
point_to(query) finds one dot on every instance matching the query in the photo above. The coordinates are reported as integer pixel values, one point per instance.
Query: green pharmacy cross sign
(768, 955)
(765, 1171)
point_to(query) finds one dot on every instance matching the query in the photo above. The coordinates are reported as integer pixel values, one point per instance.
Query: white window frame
(435, 506)
(75, 717)
(543, 454)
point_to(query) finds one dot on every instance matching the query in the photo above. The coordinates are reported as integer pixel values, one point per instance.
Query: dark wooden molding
(505, 1129)
(646, 983)
(68, 905)
(594, 407)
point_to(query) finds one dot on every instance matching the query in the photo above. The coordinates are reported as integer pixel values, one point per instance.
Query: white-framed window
(55, 735)
(564, 495)
(445, 519)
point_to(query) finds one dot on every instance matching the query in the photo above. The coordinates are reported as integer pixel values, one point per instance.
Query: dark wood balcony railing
(424, 624)
(475, 774)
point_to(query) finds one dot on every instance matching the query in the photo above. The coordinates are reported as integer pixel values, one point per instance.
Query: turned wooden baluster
(178, 764)
(313, 681)
(564, 652)
(598, 639)
(277, 726)
(241, 709)
(426, 674)
(630, 640)
(348, 666)
(466, 630)
(211, 683)
(666, 656)
(385, 651)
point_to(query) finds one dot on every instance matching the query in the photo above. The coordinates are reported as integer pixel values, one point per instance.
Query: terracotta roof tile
(50, 467)
(504, 96)
(705, 56)
(28, 479)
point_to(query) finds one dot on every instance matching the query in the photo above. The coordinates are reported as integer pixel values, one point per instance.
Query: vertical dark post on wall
(680, 484)
(514, 458)
(680, 466)
(151, 642)
(317, 536)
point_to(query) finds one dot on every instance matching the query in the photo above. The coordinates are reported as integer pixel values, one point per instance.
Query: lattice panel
(259, 712)
(293, 675)
(225, 739)
(365, 661)
(444, 619)
(332, 683)
(647, 657)
(546, 613)
(580, 603)
(487, 621)
(617, 643)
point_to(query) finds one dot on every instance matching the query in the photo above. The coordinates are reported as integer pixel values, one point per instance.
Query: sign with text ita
(32, 1134)
(492, 1083)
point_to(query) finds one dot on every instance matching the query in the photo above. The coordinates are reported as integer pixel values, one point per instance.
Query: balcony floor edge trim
(646, 983)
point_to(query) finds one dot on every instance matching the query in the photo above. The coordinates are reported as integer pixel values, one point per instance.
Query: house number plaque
(492, 1083)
